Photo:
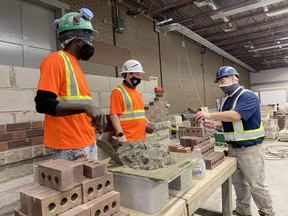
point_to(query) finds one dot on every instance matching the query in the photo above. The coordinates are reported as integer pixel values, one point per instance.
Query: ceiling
(253, 31)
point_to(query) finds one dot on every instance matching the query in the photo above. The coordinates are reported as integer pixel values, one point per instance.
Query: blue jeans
(74, 154)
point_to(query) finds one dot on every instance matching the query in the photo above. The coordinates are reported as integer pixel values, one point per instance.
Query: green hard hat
(75, 21)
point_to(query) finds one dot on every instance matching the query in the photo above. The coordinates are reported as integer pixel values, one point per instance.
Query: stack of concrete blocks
(63, 191)
(148, 195)
(270, 125)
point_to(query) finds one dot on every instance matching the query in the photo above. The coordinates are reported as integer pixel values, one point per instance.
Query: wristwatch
(120, 134)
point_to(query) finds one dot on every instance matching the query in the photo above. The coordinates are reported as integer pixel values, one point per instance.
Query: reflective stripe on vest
(72, 90)
(128, 113)
(239, 133)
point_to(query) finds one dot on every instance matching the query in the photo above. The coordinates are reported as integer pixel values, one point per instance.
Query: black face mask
(135, 81)
(86, 52)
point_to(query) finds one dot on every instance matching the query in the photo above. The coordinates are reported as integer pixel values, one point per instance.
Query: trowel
(107, 148)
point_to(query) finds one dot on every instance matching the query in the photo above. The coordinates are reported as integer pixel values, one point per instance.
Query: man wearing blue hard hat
(63, 94)
(243, 131)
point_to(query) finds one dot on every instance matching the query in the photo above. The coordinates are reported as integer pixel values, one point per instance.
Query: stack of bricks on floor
(194, 137)
(79, 188)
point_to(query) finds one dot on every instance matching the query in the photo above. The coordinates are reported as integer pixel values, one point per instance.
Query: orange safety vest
(72, 131)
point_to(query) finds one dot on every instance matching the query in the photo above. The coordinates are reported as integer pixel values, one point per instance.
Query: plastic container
(199, 167)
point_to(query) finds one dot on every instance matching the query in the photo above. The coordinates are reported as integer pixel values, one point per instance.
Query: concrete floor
(276, 178)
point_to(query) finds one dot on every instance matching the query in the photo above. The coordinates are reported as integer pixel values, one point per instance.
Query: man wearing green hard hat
(63, 94)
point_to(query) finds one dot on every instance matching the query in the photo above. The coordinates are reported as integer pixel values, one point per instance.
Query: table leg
(227, 197)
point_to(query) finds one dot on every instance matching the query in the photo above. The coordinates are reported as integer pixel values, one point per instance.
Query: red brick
(53, 202)
(81, 210)
(150, 128)
(35, 132)
(5, 136)
(18, 213)
(60, 174)
(92, 168)
(213, 160)
(19, 134)
(37, 140)
(38, 124)
(19, 143)
(17, 126)
(107, 204)
(25, 197)
(3, 146)
(93, 188)
(2, 129)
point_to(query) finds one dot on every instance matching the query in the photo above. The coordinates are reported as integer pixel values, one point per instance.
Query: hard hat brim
(132, 72)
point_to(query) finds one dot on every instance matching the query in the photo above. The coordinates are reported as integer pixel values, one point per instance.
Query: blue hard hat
(225, 71)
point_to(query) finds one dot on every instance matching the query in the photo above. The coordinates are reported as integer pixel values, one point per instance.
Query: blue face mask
(229, 88)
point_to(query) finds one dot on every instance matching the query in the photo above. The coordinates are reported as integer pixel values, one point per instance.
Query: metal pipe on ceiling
(192, 35)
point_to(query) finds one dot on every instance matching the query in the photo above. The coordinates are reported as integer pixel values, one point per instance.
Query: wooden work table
(199, 192)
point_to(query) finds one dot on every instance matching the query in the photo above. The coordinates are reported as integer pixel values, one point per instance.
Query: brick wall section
(21, 141)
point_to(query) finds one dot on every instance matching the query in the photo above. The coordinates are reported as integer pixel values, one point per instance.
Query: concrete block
(154, 194)
(60, 174)
(150, 86)
(114, 82)
(181, 182)
(30, 116)
(5, 77)
(141, 86)
(81, 210)
(105, 99)
(26, 77)
(107, 204)
(98, 83)
(6, 118)
(147, 97)
(93, 188)
(95, 98)
(23, 99)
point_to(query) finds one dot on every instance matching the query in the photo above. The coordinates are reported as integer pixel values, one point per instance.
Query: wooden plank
(175, 207)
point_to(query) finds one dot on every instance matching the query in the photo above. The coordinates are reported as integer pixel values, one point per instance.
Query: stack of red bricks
(194, 137)
(157, 111)
(66, 188)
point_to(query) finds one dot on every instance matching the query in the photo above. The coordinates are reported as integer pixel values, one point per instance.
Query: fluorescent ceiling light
(244, 8)
(268, 47)
(278, 12)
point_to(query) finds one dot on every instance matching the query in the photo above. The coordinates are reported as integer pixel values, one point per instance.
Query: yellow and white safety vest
(129, 113)
(239, 133)
(72, 91)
